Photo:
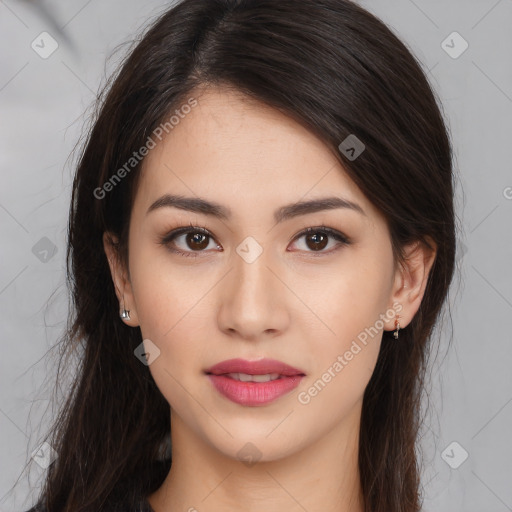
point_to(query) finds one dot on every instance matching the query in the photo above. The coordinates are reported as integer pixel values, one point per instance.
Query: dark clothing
(142, 506)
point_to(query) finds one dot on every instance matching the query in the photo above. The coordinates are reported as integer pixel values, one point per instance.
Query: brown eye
(317, 241)
(187, 241)
(197, 241)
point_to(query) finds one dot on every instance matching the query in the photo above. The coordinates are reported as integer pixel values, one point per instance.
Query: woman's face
(255, 286)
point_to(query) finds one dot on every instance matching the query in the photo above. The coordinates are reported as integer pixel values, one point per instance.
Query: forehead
(242, 153)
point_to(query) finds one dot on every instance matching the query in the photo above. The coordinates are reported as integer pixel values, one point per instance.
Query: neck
(322, 476)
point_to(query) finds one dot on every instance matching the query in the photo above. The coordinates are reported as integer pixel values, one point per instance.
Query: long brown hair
(337, 70)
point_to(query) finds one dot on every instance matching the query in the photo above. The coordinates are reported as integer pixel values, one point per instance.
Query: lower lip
(254, 393)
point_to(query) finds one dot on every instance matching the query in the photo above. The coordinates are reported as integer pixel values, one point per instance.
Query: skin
(290, 304)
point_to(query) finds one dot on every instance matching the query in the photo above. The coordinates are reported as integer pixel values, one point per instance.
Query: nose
(253, 300)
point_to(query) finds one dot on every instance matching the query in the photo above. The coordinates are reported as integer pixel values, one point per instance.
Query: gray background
(43, 102)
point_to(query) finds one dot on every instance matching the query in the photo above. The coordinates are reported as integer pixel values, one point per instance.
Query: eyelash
(169, 237)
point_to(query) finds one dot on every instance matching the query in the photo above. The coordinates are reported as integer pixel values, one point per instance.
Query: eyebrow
(199, 205)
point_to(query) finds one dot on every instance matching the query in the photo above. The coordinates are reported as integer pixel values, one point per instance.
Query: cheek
(348, 299)
(170, 316)
(163, 294)
(172, 309)
(342, 363)
(346, 338)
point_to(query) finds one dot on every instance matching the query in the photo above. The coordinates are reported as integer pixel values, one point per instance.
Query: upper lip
(259, 367)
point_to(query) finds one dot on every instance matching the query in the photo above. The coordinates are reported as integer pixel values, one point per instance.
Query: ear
(410, 280)
(120, 278)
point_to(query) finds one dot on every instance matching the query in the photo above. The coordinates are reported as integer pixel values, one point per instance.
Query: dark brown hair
(337, 70)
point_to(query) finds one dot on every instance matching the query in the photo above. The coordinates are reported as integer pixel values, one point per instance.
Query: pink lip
(259, 367)
(254, 393)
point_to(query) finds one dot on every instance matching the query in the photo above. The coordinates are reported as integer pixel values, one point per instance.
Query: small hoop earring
(397, 327)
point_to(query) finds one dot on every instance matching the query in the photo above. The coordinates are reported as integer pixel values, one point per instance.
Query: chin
(257, 446)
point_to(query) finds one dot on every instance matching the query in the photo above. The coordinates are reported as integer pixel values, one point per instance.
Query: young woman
(261, 240)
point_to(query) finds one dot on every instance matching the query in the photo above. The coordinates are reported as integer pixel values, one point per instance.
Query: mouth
(254, 383)
(246, 377)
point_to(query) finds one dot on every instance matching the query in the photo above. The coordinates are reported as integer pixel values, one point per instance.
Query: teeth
(244, 377)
